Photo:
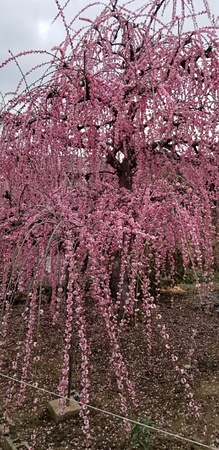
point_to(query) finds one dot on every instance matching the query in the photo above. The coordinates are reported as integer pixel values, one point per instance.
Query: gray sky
(26, 25)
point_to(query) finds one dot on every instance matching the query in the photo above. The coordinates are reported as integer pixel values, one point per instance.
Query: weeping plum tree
(109, 173)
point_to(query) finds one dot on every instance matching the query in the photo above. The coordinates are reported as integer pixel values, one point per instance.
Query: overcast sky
(26, 25)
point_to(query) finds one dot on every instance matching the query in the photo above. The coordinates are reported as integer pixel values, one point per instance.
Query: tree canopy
(109, 172)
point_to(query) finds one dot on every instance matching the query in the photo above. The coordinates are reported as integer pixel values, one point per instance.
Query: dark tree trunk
(114, 283)
(70, 370)
(125, 174)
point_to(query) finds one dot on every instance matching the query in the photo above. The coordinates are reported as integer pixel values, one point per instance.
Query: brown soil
(159, 390)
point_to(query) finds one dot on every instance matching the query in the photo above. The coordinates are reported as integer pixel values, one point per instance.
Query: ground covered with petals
(162, 396)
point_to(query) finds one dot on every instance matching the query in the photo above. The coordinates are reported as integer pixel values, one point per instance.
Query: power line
(109, 413)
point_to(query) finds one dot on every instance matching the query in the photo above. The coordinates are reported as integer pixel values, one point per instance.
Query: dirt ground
(160, 392)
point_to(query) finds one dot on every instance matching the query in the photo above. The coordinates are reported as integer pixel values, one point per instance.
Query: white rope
(117, 416)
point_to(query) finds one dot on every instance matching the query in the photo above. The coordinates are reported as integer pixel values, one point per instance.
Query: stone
(61, 413)
(76, 395)
(14, 444)
(4, 430)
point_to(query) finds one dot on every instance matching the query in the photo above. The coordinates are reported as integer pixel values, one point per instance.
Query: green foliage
(141, 436)
(216, 276)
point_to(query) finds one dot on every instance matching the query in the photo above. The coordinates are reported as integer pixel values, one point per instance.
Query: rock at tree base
(60, 413)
